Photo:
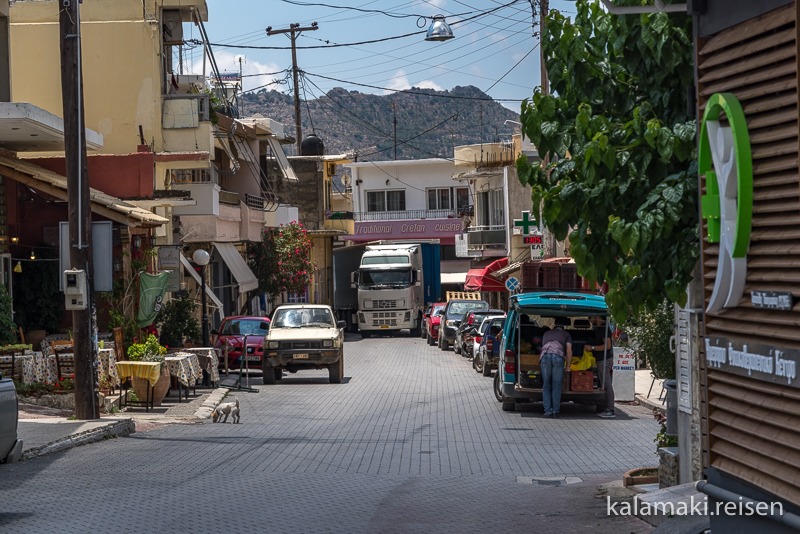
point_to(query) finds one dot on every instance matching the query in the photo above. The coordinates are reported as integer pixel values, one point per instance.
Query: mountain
(429, 123)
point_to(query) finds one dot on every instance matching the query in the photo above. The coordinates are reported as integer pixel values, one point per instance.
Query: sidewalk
(656, 399)
(45, 430)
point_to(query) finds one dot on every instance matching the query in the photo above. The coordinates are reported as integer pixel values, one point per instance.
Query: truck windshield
(396, 278)
(383, 260)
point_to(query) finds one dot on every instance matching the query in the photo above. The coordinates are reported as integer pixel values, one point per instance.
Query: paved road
(413, 441)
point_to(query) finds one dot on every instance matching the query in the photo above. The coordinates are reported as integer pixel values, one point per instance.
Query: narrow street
(412, 441)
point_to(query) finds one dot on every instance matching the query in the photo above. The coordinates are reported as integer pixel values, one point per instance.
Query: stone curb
(122, 427)
(653, 405)
(211, 402)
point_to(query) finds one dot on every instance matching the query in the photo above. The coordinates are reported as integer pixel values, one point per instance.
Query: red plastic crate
(531, 275)
(581, 380)
(569, 276)
(551, 276)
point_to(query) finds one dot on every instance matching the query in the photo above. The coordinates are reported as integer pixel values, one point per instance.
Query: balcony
(485, 155)
(486, 237)
(401, 215)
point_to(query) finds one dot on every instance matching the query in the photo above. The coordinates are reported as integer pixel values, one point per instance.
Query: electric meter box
(75, 292)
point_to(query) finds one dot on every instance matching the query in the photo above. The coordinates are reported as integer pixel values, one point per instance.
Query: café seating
(8, 365)
(65, 366)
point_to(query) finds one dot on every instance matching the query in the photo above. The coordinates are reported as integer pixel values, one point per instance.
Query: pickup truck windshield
(395, 278)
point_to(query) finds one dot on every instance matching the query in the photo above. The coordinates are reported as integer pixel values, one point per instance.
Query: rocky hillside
(428, 125)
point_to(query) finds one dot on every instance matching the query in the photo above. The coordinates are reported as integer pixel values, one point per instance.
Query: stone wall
(668, 467)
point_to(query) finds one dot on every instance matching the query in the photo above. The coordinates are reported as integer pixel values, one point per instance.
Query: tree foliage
(282, 261)
(621, 183)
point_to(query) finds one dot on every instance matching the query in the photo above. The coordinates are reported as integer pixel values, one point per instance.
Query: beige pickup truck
(304, 336)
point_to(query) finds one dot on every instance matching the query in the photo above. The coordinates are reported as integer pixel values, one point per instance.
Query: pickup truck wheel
(508, 406)
(442, 342)
(498, 394)
(278, 373)
(268, 373)
(457, 347)
(336, 371)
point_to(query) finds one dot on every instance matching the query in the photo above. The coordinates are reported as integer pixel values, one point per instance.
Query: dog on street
(221, 412)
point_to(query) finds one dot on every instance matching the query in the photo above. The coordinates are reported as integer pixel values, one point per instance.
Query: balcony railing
(403, 215)
(486, 236)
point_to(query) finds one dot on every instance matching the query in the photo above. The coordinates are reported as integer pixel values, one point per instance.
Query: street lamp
(439, 30)
(201, 258)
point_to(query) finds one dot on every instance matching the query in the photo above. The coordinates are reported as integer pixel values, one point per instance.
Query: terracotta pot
(640, 475)
(141, 385)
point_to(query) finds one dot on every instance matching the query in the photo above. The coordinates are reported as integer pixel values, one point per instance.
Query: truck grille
(384, 304)
(295, 345)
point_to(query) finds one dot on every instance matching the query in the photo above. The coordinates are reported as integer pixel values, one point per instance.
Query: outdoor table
(209, 361)
(24, 366)
(185, 367)
(150, 371)
(106, 367)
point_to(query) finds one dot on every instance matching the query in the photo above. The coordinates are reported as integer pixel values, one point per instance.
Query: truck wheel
(486, 369)
(268, 373)
(415, 332)
(498, 394)
(336, 371)
(442, 343)
(508, 406)
(365, 335)
(278, 373)
(475, 362)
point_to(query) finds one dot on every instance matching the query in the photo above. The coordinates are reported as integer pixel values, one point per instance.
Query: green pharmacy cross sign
(526, 222)
(724, 157)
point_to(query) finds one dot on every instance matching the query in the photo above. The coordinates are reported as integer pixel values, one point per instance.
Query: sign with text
(772, 300)
(754, 360)
(443, 229)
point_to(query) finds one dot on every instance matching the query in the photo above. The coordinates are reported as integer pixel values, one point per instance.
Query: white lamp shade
(201, 257)
(439, 30)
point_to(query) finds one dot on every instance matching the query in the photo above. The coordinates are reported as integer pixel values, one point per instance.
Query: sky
(495, 52)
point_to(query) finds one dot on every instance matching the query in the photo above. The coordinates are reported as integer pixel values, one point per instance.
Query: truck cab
(518, 376)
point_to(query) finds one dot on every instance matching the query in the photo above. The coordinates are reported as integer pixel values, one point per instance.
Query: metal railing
(479, 236)
(403, 215)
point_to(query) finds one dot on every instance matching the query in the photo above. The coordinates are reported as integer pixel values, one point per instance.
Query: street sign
(512, 284)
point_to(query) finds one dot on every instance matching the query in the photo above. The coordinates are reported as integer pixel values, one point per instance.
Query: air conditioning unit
(172, 25)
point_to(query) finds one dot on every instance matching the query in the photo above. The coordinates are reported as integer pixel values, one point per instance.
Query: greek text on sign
(758, 361)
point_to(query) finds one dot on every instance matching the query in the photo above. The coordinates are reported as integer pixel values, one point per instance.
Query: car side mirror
(341, 324)
(264, 325)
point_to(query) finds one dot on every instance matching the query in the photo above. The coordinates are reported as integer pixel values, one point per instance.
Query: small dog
(220, 413)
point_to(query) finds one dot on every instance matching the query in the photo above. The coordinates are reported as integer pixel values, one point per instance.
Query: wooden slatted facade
(752, 427)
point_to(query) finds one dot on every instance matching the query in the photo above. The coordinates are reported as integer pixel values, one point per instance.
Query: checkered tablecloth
(185, 367)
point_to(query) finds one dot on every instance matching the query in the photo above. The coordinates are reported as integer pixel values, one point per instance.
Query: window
(490, 208)
(447, 198)
(386, 200)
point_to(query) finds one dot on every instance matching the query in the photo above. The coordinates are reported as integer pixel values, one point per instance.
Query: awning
(510, 268)
(241, 272)
(454, 278)
(283, 161)
(480, 279)
(209, 293)
(55, 184)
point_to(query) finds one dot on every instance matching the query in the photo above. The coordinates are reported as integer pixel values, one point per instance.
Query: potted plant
(178, 325)
(150, 351)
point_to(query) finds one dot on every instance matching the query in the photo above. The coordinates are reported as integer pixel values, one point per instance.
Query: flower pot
(640, 475)
(141, 385)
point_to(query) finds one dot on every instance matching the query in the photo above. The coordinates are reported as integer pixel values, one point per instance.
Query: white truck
(395, 282)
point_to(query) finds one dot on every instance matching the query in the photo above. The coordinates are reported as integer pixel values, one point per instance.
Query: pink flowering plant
(282, 261)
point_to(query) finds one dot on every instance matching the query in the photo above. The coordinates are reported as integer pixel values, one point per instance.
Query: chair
(119, 343)
(7, 368)
(64, 366)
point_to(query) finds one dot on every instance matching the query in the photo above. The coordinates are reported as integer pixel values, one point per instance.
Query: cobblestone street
(413, 441)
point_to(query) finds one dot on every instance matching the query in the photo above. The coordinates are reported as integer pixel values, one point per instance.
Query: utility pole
(294, 31)
(543, 9)
(78, 202)
(394, 120)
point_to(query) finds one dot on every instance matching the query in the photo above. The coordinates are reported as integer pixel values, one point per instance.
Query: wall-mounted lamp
(387, 181)
(439, 30)
(33, 254)
(14, 240)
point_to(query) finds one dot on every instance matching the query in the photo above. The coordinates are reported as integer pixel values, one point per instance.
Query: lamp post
(201, 258)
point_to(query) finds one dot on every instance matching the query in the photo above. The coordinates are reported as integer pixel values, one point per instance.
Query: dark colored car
(231, 334)
(452, 315)
(465, 343)
(10, 446)
(432, 319)
(488, 353)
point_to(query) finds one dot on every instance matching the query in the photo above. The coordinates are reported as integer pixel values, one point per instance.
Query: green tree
(621, 182)
(177, 323)
(8, 329)
(282, 261)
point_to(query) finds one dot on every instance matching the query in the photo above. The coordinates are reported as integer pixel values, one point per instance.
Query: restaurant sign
(421, 229)
(754, 360)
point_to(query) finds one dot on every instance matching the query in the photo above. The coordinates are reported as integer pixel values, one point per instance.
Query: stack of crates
(569, 276)
(531, 275)
(551, 275)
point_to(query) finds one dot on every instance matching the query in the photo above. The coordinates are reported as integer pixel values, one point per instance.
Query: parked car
(10, 446)
(231, 334)
(488, 353)
(465, 343)
(452, 316)
(304, 336)
(432, 320)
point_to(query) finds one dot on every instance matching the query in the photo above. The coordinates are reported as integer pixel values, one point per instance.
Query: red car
(432, 318)
(232, 332)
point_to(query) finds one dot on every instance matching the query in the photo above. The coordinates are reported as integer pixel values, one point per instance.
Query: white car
(304, 336)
